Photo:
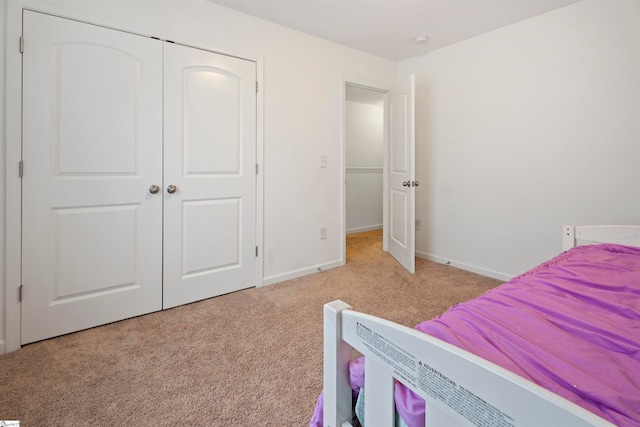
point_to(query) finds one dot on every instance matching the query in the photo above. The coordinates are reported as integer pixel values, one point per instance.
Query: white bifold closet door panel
(210, 160)
(92, 147)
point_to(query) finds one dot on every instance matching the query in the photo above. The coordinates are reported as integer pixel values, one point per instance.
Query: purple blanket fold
(570, 325)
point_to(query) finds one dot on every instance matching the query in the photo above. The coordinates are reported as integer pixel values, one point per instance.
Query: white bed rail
(628, 235)
(459, 388)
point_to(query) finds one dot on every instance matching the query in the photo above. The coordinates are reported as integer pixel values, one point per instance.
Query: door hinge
(256, 251)
(20, 293)
(20, 168)
(21, 44)
(257, 87)
(257, 169)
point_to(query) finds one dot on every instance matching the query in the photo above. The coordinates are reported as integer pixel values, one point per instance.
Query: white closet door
(402, 194)
(92, 147)
(210, 160)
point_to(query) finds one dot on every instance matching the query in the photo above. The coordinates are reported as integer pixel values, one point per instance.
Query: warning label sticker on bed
(461, 400)
(418, 374)
(404, 364)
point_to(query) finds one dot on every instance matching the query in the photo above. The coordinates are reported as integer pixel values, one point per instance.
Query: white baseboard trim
(362, 229)
(464, 266)
(301, 272)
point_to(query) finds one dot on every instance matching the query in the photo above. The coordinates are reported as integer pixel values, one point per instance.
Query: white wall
(518, 131)
(303, 92)
(525, 128)
(364, 138)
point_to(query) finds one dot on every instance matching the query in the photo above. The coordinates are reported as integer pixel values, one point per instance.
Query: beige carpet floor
(250, 358)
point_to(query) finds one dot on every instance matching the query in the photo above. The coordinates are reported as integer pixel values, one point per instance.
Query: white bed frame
(460, 389)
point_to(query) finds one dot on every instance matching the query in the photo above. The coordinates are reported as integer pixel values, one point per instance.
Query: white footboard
(620, 234)
(460, 389)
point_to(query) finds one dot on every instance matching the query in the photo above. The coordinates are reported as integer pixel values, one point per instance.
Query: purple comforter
(571, 325)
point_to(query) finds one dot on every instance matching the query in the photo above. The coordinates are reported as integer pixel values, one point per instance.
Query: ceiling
(387, 28)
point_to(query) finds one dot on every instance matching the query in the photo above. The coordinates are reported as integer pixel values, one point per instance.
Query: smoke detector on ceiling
(420, 39)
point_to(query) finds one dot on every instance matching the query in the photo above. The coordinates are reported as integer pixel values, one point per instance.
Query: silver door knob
(154, 189)
(416, 183)
(171, 189)
(406, 183)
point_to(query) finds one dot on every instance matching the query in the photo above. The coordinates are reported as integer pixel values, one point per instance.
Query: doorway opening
(364, 130)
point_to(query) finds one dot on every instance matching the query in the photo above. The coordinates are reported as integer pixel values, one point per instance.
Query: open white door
(401, 199)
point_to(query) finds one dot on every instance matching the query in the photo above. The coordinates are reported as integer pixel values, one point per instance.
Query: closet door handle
(154, 189)
(171, 189)
(406, 183)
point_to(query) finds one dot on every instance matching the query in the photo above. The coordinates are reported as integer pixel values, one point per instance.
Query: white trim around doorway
(377, 87)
